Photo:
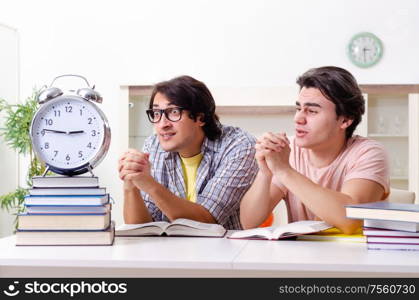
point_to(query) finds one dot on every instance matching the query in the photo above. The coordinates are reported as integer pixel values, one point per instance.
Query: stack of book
(393, 226)
(62, 210)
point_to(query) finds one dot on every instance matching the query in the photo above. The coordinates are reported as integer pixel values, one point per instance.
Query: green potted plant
(15, 133)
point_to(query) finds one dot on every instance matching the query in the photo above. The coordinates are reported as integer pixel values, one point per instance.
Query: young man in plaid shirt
(193, 167)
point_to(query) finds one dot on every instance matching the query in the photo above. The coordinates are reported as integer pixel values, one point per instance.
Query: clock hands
(64, 132)
(52, 130)
(76, 131)
(365, 53)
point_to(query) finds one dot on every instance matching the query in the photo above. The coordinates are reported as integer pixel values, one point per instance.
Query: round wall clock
(365, 49)
(69, 132)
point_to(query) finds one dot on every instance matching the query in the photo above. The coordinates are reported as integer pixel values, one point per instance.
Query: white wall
(9, 57)
(224, 43)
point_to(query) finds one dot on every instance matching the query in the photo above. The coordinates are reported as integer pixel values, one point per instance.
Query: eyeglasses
(173, 114)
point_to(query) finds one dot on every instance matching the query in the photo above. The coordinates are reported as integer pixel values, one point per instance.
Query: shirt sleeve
(154, 211)
(371, 163)
(233, 177)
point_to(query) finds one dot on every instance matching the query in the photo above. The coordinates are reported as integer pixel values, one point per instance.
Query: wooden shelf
(142, 90)
(383, 135)
(389, 88)
(145, 90)
(254, 109)
(399, 178)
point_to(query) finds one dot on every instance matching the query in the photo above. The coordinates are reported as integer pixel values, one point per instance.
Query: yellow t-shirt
(190, 169)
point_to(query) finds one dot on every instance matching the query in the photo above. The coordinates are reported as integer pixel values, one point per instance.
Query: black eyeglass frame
(165, 111)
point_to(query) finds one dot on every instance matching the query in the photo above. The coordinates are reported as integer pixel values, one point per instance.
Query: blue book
(76, 200)
(67, 191)
(383, 210)
(392, 225)
(67, 209)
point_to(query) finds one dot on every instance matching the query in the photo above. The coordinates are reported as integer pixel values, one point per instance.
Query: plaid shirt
(225, 173)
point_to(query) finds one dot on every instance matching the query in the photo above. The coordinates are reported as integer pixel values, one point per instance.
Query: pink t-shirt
(362, 158)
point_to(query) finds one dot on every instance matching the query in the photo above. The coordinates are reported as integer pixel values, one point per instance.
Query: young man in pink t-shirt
(324, 167)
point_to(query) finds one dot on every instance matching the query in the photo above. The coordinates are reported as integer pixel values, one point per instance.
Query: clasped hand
(134, 169)
(272, 153)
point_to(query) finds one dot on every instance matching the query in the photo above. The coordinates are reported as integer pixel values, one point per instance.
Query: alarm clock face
(365, 49)
(70, 134)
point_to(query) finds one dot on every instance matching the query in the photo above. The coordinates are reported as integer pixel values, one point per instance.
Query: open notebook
(281, 232)
(179, 227)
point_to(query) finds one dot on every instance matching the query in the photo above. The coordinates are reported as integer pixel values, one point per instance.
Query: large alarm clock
(69, 132)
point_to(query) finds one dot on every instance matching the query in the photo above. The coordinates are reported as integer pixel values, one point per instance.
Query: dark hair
(340, 87)
(194, 96)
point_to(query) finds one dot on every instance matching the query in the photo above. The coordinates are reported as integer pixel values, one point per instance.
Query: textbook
(64, 221)
(335, 235)
(281, 232)
(67, 209)
(383, 210)
(179, 227)
(77, 200)
(392, 225)
(393, 240)
(64, 181)
(389, 233)
(66, 191)
(66, 238)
